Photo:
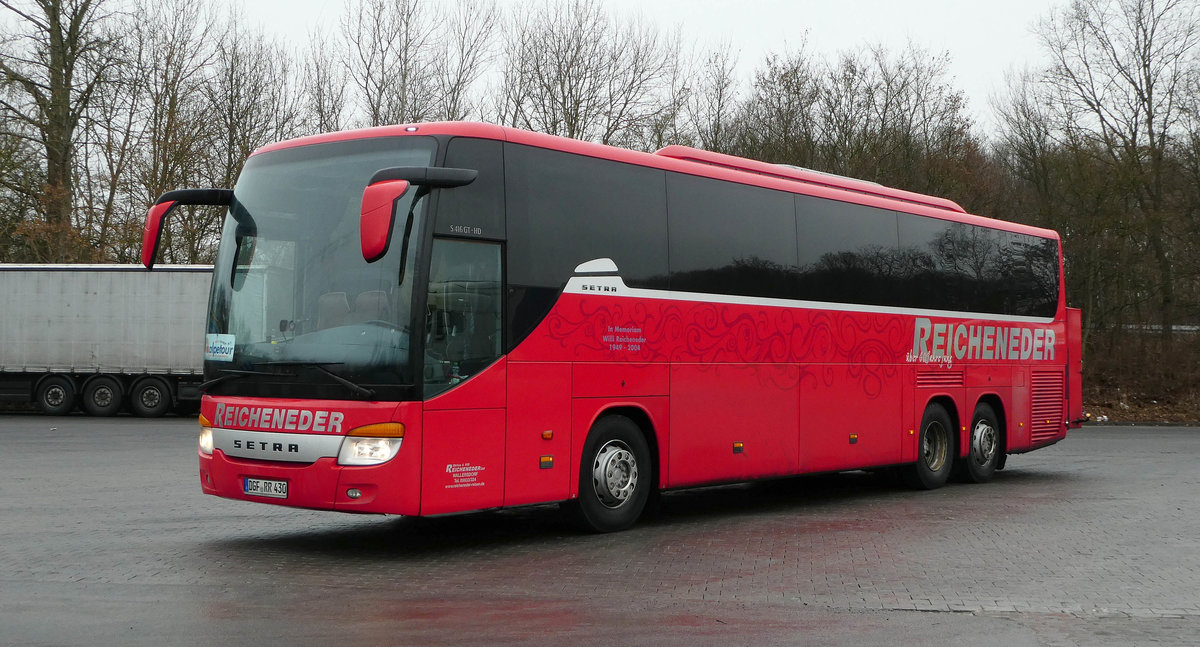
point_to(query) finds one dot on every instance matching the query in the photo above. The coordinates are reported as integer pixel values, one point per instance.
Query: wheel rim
(614, 474)
(935, 446)
(983, 443)
(150, 397)
(55, 396)
(102, 396)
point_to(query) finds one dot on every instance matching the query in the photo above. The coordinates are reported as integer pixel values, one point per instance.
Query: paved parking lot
(106, 540)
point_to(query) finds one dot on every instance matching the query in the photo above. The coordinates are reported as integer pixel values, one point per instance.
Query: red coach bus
(440, 318)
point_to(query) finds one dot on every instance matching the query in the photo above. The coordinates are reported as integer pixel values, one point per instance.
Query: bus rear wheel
(935, 450)
(983, 458)
(615, 476)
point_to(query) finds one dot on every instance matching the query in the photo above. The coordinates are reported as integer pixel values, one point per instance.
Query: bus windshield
(295, 309)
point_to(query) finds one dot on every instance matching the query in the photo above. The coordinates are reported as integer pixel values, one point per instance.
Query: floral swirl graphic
(606, 328)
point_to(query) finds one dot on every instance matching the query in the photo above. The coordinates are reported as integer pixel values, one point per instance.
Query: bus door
(463, 428)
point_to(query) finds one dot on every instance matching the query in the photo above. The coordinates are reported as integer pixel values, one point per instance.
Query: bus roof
(806, 176)
(694, 162)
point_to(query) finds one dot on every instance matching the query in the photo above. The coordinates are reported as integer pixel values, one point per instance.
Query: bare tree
(572, 70)
(893, 118)
(151, 127)
(466, 49)
(848, 119)
(324, 85)
(553, 54)
(20, 182)
(55, 64)
(389, 42)
(671, 125)
(640, 57)
(713, 103)
(1059, 181)
(248, 100)
(1120, 68)
(249, 97)
(778, 118)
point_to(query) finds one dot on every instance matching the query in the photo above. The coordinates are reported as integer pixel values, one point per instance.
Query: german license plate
(265, 487)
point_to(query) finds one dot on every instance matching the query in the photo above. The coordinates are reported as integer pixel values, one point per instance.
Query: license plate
(265, 487)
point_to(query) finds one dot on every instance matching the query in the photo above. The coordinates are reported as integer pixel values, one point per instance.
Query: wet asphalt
(105, 539)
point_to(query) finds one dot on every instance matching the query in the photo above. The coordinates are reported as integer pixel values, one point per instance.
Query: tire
(56, 395)
(986, 446)
(102, 396)
(935, 450)
(150, 397)
(615, 476)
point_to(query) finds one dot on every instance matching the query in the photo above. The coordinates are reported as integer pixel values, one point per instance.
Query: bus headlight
(206, 439)
(372, 444)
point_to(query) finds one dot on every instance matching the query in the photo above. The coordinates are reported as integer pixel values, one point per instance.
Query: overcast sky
(985, 40)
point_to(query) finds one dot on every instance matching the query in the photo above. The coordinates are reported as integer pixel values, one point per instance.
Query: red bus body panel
(394, 487)
(730, 389)
(537, 455)
(732, 392)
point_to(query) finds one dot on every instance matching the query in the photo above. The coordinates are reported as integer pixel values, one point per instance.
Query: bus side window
(462, 322)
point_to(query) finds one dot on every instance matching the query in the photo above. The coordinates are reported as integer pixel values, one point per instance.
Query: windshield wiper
(320, 366)
(234, 374)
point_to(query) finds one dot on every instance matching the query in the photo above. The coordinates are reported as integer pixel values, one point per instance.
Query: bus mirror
(388, 185)
(154, 225)
(157, 216)
(376, 217)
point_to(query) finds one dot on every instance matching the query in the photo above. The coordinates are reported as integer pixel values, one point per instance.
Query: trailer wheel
(935, 450)
(150, 397)
(615, 476)
(56, 395)
(102, 396)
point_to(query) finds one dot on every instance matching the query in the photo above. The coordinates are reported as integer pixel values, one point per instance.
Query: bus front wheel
(935, 450)
(615, 476)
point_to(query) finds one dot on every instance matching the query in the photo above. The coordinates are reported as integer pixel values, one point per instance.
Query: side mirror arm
(157, 215)
(386, 187)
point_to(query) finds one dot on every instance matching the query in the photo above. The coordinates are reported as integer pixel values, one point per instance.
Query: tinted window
(291, 285)
(857, 254)
(565, 209)
(728, 238)
(1030, 270)
(967, 268)
(476, 209)
(934, 251)
(847, 252)
(462, 319)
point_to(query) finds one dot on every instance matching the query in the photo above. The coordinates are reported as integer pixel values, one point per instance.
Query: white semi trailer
(102, 336)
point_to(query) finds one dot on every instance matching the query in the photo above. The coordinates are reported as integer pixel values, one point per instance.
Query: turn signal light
(371, 444)
(206, 438)
(380, 430)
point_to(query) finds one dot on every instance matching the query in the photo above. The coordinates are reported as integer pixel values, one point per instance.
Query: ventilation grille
(1048, 413)
(939, 378)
